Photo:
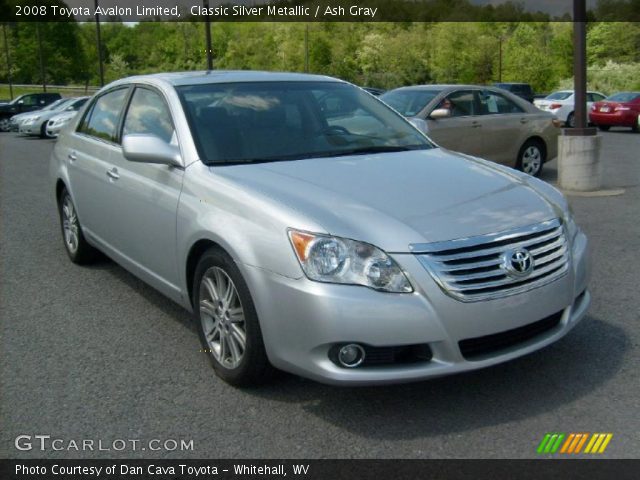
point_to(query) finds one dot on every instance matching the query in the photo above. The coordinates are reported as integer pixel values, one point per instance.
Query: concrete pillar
(579, 167)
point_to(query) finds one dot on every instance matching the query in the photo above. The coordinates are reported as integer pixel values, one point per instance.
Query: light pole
(6, 51)
(44, 83)
(99, 44)
(207, 34)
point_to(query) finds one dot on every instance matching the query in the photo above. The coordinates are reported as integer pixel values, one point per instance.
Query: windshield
(409, 102)
(54, 105)
(559, 96)
(276, 121)
(624, 97)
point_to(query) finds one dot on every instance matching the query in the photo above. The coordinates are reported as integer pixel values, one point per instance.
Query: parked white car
(58, 122)
(562, 104)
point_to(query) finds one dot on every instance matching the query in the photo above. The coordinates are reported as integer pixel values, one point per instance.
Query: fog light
(351, 355)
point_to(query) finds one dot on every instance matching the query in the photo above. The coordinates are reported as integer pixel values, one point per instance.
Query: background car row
(47, 121)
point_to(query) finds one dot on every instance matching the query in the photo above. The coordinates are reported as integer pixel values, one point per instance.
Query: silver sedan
(486, 122)
(311, 228)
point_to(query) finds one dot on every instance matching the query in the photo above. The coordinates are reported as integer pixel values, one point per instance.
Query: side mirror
(20, 102)
(420, 124)
(145, 148)
(440, 113)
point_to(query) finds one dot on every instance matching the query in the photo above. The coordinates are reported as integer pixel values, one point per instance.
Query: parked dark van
(522, 90)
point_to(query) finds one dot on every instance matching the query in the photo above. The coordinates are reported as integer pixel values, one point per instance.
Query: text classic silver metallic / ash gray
(311, 228)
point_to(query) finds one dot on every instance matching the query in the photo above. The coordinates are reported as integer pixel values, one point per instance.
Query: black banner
(315, 10)
(591, 469)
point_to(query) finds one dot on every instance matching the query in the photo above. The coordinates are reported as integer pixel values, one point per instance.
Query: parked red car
(619, 110)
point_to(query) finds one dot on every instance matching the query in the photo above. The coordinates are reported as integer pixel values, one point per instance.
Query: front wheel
(4, 124)
(75, 244)
(228, 323)
(604, 128)
(531, 158)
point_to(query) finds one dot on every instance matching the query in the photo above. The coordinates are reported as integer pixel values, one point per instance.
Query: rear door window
(494, 103)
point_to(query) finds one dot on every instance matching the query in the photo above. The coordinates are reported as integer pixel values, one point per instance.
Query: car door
(91, 150)
(461, 131)
(145, 196)
(504, 127)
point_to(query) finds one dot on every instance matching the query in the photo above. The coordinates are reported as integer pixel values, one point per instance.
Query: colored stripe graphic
(573, 443)
(598, 443)
(550, 443)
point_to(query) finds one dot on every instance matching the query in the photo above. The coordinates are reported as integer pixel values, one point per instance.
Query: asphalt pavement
(92, 353)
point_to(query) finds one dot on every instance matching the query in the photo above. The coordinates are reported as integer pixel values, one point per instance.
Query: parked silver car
(311, 228)
(36, 123)
(16, 120)
(487, 122)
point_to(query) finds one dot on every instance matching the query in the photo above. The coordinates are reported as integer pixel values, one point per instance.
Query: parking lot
(92, 352)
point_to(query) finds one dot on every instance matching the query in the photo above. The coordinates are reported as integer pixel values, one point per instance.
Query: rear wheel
(228, 323)
(604, 128)
(635, 128)
(531, 157)
(571, 120)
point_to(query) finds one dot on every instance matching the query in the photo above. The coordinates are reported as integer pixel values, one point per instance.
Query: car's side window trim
(89, 112)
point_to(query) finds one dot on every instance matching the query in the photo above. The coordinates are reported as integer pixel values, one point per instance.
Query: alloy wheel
(70, 225)
(531, 160)
(222, 318)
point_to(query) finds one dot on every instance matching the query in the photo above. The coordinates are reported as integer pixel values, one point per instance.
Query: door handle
(113, 173)
(476, 125)
(523, 120)
(72, 156)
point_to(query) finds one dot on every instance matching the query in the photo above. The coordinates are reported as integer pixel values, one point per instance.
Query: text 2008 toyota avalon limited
(310, 228)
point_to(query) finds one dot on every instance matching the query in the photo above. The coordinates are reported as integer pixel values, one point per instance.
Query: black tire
(635, 128)
(43, 130)
(604, 128)
(4, 124)
(83, 253)
(254, 367)
(571, 120)
(524, 163)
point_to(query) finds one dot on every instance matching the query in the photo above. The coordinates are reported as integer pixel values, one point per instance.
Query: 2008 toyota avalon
(310, 228)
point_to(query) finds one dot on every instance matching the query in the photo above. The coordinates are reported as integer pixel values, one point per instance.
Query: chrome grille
(477, 268)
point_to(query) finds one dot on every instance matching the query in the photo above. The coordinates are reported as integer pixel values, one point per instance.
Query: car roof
(439, 87)
(223, 76)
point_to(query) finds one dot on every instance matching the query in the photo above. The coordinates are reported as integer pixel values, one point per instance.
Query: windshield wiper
(340, 153)
(376, 149)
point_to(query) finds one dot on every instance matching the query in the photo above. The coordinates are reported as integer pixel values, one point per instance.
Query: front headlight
(339, 260)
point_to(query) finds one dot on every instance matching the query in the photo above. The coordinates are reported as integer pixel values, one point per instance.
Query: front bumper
(54, 130)
(301, 320)
(31, 129)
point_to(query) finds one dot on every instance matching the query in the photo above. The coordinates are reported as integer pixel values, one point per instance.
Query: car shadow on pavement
(560, 374)
(167, 306)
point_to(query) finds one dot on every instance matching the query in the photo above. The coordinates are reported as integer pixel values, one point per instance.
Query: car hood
(395, 199)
